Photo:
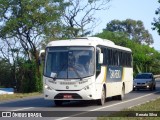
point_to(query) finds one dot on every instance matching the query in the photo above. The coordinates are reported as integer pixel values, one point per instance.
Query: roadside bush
(6, 74)
(28, 79)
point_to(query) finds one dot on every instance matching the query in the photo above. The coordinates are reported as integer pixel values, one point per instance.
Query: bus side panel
(114, 80)
(100, 81)
(116, 76)
(114, 88)
(128, 79)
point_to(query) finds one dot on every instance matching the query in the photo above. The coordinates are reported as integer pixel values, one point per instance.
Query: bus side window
(98, 65)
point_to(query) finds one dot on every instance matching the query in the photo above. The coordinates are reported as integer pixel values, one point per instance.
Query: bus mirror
(41, 56)
(53, 75)
(100, 61)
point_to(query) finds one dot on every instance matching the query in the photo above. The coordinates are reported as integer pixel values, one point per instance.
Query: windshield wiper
(75, 70)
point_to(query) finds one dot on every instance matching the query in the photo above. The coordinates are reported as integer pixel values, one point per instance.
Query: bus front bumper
(85, 94)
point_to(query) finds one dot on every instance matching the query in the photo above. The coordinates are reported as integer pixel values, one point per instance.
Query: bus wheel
(58, 102)
(103, 97)
(121, 97)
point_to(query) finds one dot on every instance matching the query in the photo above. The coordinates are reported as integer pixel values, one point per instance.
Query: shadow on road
(82, 103)
(40, 102)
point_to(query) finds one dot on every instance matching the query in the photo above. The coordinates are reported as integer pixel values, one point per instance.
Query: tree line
(26, 26)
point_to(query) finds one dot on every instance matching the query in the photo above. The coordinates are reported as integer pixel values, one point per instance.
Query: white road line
(106, 106)
(22, 109)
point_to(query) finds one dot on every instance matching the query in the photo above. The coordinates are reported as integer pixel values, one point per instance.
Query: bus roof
(86, 41)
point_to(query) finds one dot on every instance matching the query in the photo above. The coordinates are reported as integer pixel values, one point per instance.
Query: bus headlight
(47, 87)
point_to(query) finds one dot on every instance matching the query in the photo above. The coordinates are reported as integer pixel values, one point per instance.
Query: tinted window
(116, 57)
(144, 76)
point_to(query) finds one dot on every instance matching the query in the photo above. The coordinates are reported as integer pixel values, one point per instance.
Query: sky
(143, 10)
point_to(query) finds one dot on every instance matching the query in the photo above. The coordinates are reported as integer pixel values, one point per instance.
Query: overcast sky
(143, 10)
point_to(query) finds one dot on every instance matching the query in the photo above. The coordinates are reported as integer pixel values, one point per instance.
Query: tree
(79, 18)
(11, 51)
(28, 21)
(135, 30)
(156, 22)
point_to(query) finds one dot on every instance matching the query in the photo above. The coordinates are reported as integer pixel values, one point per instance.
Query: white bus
(88, 68)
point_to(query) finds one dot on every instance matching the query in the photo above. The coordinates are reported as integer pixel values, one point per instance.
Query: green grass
(149, 107)
(5, 97)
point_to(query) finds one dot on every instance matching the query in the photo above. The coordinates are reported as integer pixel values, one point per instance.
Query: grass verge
(143, 112)
(5, 97)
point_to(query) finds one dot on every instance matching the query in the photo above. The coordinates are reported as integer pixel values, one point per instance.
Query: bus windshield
(69, 62)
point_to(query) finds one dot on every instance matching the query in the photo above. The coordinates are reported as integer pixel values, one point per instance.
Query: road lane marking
(22, 109)
(106, 106)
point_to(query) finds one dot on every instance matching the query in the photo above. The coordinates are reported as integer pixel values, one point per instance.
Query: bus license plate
(67, 96)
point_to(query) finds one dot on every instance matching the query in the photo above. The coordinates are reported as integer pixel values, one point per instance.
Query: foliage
(28, 22)
(26, 79)
(133, 29)
(28, 19)
(145, 58)
(6, 74)
(156, 23)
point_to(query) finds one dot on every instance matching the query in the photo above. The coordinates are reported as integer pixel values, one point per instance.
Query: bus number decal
(114, 74)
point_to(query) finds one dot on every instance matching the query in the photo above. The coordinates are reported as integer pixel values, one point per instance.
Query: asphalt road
(87, 110)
